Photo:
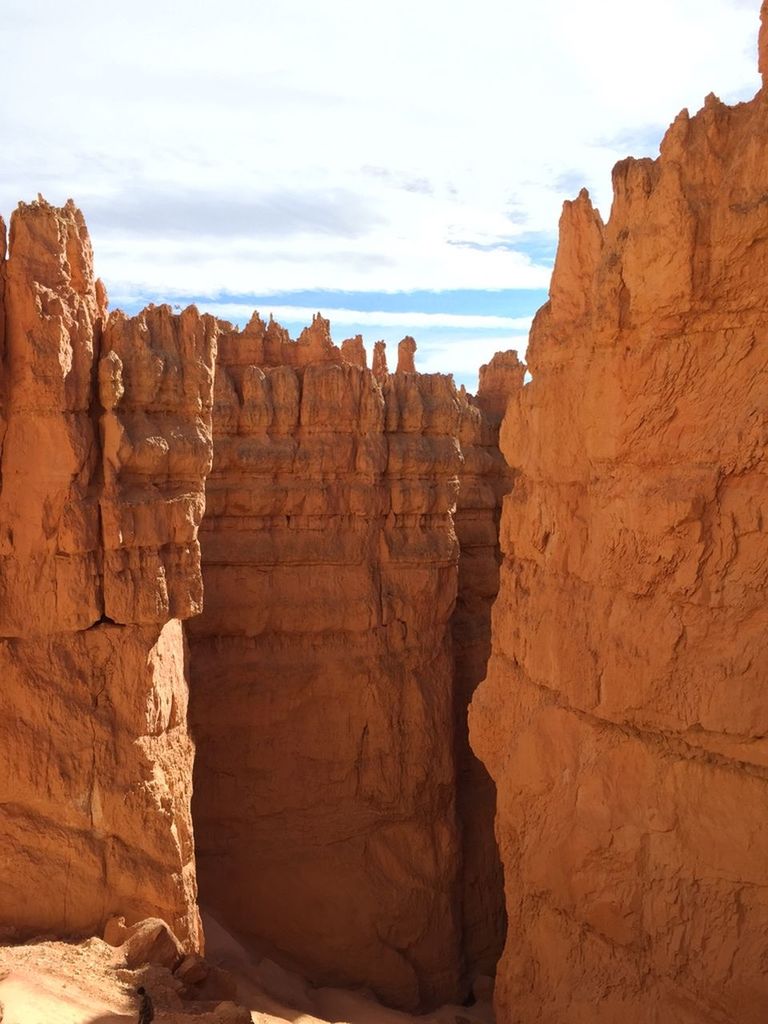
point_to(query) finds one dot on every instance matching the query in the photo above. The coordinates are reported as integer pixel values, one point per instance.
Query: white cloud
(240, 312)
(272, 145)
(462, 357)
(377, 262)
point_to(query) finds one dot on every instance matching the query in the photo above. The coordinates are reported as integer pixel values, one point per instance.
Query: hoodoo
(624, 715)
(106, 440)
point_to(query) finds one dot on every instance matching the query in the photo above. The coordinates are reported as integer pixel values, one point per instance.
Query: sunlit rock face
(328, 708)
(104, 444)
(624, 715)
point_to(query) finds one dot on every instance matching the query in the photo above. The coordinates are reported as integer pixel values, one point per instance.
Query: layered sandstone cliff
(105, 442)
(340, 814)
(624, 716)
(323, 672)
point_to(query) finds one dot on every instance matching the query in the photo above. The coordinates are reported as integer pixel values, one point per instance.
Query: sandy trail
(62, 983)
(87, 983)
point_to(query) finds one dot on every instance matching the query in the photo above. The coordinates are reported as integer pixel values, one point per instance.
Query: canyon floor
(48, 982)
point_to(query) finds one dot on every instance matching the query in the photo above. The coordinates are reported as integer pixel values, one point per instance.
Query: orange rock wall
(624, 716)
(322, 666)
(105, 441)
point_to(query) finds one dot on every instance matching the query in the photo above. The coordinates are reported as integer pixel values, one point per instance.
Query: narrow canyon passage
(582, 560)
(332, 666)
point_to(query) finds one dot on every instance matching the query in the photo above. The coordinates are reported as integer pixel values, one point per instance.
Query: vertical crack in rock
(485, 479)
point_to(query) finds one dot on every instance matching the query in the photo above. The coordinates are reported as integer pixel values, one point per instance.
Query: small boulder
(192, 970)
(116, 931)
(152, 942)
(231, 1013)
(218, 984)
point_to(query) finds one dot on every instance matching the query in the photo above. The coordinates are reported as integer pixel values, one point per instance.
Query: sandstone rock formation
(49, 535)
(379, 365)
(323, 674)
(329, 703)
(353, 351)
(105, 441)
(624, 715)
(406, 352)
(156, 383)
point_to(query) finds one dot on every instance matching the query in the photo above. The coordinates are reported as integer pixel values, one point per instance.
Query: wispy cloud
(134, 265)
(240, 312)
(286, 146)
(174, 212)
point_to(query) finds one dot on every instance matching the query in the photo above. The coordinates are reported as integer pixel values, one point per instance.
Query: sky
(398, 166)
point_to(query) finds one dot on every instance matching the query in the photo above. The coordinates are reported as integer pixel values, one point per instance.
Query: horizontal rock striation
(624, 716)
(322, 667)
(105, 439)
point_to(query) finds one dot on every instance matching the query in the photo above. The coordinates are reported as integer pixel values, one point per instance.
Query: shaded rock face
(484, 480)
(105, 441)
(323, 697)
(624, 715)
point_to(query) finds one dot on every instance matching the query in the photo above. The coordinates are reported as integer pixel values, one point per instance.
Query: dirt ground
(87, 983)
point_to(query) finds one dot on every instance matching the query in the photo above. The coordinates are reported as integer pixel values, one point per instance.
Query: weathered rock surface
(105, 438)
(96, 780)
(379, 364)
(624, 716)
(156, 383)
(323, 689)
(353, 351)
(406, 352)
(49, 515)
(151, 942)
